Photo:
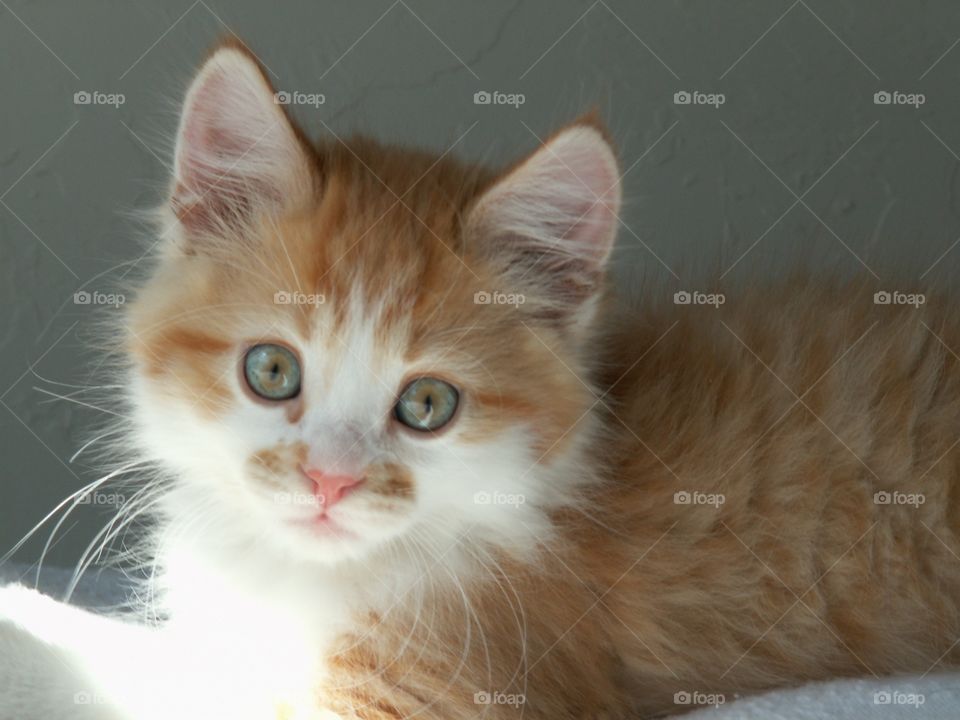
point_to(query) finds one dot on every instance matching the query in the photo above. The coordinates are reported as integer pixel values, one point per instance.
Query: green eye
(427, 404)
(272, 372)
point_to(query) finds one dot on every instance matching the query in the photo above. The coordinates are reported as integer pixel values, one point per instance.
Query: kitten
(425, 463)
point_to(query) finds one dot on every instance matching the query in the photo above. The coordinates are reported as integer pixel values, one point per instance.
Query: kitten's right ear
(549, 224)
(237, 152)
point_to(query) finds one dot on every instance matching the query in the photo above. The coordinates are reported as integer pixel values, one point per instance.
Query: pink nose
(331, 488)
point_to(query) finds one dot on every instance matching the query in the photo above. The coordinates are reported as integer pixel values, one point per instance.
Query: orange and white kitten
(422, 463)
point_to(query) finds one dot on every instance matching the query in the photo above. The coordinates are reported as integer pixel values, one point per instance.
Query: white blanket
(933, 697)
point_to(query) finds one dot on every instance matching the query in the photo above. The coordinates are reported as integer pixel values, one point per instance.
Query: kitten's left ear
(550, 223)
(237, 151)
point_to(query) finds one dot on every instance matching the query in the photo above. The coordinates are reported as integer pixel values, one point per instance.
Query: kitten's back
(785, 477)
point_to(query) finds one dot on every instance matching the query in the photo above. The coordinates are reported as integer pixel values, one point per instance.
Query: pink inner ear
(589, 173)
(235, 149)
(562, 201)
(549, 225)
(210, 191)
(208, 187)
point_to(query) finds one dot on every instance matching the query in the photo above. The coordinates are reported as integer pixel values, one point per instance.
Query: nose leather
(331, 488)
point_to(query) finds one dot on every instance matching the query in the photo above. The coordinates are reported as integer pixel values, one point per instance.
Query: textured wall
(876, 183)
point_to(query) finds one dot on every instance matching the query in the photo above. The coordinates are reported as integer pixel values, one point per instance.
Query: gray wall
(878, 182)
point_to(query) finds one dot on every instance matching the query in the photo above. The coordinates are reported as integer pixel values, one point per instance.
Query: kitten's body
(797, 575)
(534, 557)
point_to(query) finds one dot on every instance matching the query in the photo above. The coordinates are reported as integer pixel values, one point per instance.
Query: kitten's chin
(325, 529)
(333, 538)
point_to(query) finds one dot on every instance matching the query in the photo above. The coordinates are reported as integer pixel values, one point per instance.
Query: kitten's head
(346, 344)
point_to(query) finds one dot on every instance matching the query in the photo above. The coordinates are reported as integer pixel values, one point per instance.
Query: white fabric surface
(100, 589)
(934, 697)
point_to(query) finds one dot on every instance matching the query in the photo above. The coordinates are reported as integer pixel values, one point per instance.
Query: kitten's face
(315, 358)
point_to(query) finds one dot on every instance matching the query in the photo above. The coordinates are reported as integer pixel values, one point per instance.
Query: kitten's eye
(427, 404)
(272, 372)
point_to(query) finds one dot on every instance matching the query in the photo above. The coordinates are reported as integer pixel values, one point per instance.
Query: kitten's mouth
(324, 525)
